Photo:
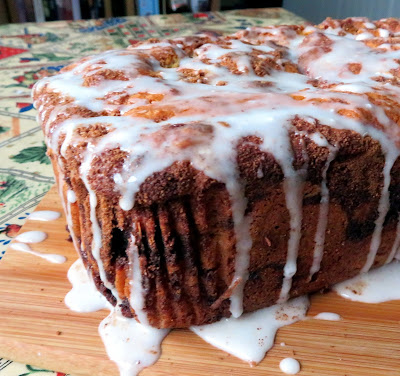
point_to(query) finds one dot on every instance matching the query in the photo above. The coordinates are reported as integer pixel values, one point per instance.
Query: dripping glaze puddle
(31, 237)
(53, 258)
(44, 215)
(377, 286)
(327, 316)
(22, 241)
(248, 337)
(120, 335)
(290, 366)
(251, 335)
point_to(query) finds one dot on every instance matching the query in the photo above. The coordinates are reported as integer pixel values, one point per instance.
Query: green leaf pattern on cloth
(38, 50)
(32, 154)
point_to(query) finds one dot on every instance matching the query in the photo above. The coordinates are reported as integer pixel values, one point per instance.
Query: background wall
(317, 10)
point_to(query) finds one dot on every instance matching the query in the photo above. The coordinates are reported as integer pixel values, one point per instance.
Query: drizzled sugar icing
(31, 237)
(250, 336)
(83, 297)
(130, 344)
(290, 366)
(328, 316)
(51, 257)
(263, 105)
(376, 286)
(44, 215)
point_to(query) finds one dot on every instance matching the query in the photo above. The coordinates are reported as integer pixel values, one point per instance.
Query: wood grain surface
(37, 328)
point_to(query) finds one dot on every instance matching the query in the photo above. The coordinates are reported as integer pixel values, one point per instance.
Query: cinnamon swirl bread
(204, 177)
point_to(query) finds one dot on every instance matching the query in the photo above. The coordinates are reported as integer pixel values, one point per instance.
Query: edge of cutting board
(37, 328)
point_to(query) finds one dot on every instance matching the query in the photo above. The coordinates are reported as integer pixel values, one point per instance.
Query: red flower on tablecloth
(11, 230)
(29, 78)
(200, 15)
(60, 374)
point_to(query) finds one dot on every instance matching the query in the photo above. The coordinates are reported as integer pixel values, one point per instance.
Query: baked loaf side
(205, 176)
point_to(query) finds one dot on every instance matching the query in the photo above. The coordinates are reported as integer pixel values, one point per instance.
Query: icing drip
(328, 316)
(243, 244)
(31, 237)
(131, 345)
(383, 208)
(83, 297)
(289, 366)
(44, 215)
(319, 238)
(71, 196)
(96, 231)
(250, 336)
(54, 258)
(376, 286)
(293, 186)
(396, 244)
(136, 297)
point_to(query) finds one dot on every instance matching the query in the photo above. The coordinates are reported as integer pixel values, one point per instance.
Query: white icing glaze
(44, 215)
(83, 297)
(136, 297)
(131, 345)
(384, 204)
(71, 196)
(293, 186)
(328, 316)
(54, 258)
(323, 213)
(96, 231)
(249, 104)
(376, 286)
(250, 336)
(396, 244)
(31, 237)
(289, 366)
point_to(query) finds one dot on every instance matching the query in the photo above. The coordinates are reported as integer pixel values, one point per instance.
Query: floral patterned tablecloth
(31, 51)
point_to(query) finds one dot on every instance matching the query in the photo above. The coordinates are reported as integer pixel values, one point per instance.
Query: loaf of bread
(206, 176)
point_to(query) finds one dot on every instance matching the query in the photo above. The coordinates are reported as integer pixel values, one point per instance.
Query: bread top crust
(168, 102)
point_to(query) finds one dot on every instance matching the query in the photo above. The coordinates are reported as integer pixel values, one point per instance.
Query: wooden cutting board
(37, 328)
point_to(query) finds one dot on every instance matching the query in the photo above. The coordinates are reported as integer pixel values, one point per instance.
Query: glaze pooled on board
(289, 366)
(328, 316)
(376, 286)
(130, 344)
(44, 215)
(31, 237)
(83, 297)
(54, 258)
(250, 336)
